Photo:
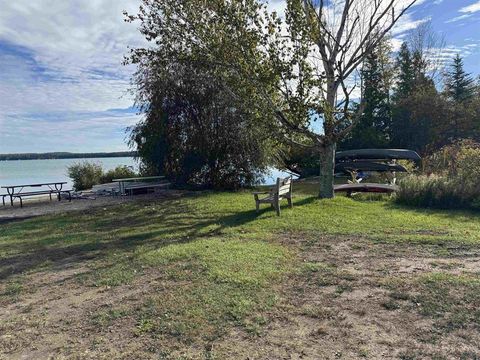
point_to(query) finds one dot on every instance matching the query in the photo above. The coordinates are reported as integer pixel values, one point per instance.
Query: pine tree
(406, 77)
(372, 128)
(459, 85)
(412, 121)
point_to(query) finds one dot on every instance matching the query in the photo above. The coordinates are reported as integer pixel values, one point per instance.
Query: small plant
(85, 174)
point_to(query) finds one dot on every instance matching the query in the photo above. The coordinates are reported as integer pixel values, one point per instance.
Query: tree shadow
(460, 215)
(101, 237)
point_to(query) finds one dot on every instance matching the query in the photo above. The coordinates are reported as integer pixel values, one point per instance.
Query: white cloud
(64, 56)
(467, 11)
(458, 18)
(471, 8)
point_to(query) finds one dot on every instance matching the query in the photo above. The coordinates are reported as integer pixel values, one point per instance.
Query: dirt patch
(341, 306)
(338, 304)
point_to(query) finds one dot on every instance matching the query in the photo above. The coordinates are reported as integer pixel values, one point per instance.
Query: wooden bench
(42, 192)
(282, 190)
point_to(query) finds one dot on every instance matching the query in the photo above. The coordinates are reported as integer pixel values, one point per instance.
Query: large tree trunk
(327, 168)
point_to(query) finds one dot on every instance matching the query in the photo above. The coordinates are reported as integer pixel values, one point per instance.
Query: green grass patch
(223, 281)
(222, 261)
(106, 317)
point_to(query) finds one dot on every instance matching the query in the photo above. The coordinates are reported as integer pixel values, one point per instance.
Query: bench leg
(50, 196)
(290, 205)
(21, 202)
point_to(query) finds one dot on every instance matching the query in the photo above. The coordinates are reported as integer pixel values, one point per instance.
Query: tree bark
(327, 168)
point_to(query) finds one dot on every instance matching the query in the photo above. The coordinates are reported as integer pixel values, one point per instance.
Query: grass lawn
(205, 277)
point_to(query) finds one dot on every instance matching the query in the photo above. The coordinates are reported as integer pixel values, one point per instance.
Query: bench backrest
(284, 186)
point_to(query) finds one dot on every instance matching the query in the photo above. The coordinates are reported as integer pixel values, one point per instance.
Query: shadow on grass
(83, 236)
(461, 215)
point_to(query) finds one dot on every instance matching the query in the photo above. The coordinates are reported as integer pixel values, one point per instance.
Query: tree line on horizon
(65, 155)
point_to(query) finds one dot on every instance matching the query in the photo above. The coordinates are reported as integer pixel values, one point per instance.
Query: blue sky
(63, 88)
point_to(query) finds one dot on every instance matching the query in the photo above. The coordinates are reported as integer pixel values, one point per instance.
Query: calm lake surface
(19, 172)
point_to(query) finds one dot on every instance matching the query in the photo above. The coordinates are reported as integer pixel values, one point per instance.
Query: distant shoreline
(65, 155)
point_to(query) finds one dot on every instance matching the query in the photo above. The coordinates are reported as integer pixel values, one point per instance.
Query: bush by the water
(86, 174)
(120, 172)
(455, 183)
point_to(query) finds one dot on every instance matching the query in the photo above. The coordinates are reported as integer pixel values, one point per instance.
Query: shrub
(85, 174)
(119, 172)
(451, 158)
(456, 184)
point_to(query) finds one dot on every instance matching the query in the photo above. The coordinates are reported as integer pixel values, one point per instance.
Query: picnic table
(142, 183)
(49, 188)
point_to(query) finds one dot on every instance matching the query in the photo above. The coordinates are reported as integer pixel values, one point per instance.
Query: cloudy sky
(63, 88)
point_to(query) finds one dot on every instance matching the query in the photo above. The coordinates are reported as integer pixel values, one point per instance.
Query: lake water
(40, 171)
(18, 172)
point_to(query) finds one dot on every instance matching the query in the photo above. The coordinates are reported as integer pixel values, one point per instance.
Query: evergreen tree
(406, 76)
(460, 92)
(459, 85)
(413, 117)
(372, 127)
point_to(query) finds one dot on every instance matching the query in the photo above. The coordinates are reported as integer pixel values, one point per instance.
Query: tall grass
(437, 192)
(453, 183)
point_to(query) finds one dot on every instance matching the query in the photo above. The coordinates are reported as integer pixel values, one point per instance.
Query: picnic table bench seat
(145, 186)
(128, 185)
(47, 188)
(42, 192)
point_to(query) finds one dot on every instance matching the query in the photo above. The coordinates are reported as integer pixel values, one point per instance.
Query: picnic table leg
(10, 193)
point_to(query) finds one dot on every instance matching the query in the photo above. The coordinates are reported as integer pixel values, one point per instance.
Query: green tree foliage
(417, 108)
(372, 128)
(459, 91)
(459, 86)
(195, 132)
(405, 77)
(289, 69)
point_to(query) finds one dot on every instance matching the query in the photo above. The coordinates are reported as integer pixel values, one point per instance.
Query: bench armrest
(260, 192)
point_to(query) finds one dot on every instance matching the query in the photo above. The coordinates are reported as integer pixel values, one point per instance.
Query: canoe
(366, 187)
(349, 166)
(377, 154)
